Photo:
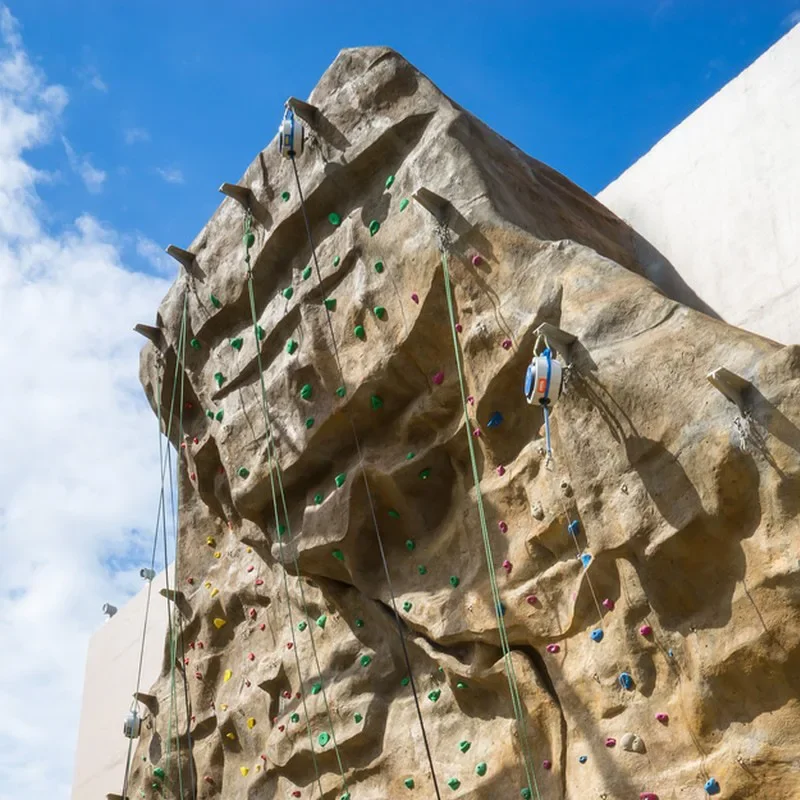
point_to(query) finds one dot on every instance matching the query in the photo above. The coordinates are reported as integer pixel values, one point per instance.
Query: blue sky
(170, 99)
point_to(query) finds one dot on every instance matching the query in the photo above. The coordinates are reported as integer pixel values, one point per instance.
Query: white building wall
(719, 198)
(108, 687)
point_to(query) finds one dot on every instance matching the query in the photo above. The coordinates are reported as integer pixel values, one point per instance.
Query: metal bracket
(183, 257)
(730, 384)
(241, 194)
(304, 110)
(151, 333)
(562, 340)
(433, 203)
(179, 598)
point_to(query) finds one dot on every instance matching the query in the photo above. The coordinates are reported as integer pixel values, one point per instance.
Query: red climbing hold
(476, 433)
(647, 796)
(459, 327)
(259, 582)
(191, 645)
(190, 581)
(553, 648)
(186, 660)
(250, 568)
(506, 344)
(503, 526)
(289, 645)
(476, 260)
(199, 675)
(287, 695)
(609, 604)
(646, 630)
(611, 742)
(196, 440)
(298, 695)
(507, 566)
(281, 728)
(415, 297)
(547, 763)
(296, 793)
(471, 400)
(263, 757)
(438, 378)
(501, 470)
(662, 717)
(251, 656)
(531, 599)
(252, 613)
(183, 445)
(208, 779)
(200, 645)
(246, 682)
(193, 477)
(262, 626)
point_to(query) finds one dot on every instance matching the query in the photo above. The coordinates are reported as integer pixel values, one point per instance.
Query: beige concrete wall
(108, 687)
(719, 199)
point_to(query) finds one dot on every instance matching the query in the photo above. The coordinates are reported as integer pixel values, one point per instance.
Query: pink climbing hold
(186, 660)
(281, 728)
(438, 378)
(507, 566)
(506, 344)
(476, 260)
(547, 764)
(608, 604)
(193, 477)
(503, 526)
(259, 582)
(648, 796)
(250, 568)
(262, 626)
(196, 440)
(287, 694)
(531, 599)
(611, 742)
(190, 581)
(471, 400)
(662, 717)
(501, 470)
(251, 656)
(553, 648)
(209, 779)
(476, 433)
(415, 297)
(459, 328)
(246, 682)
(298, 695)
(191, 645)
(252, 613)
(199, 675)
(183, 445)
(263, 757)
(200, 645)
(645, 630)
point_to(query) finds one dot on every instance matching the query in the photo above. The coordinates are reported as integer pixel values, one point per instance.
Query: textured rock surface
(689, 534)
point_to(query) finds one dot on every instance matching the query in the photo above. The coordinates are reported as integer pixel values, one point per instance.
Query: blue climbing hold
(712, 786)
(626, 681)
(597, 635)
(494, 420)
(501, 609)
(574, 528)
(586, 559)
(583, 759)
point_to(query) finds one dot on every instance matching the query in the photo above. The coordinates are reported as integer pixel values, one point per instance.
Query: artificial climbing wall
(641, 588)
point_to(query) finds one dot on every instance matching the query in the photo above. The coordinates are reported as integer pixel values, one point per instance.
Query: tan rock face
(693, 577)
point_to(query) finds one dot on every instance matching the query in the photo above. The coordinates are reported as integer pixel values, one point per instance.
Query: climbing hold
(306, 273)
(374, 227)
(611, 742)
(323, 739)
(526, 793)
(316, 688)
(208, 779)
(259, 581)
(215, 301)
(237, 343)
(648, 796)
(462, 685)
(464, 745)
(454, 783)
(340, 479)
(310, 422)
(210, 541)
(209, 413)
(260, 332)
(494, 420)
(301, 626)
(379, 267)
(597, 635)
(195, 344)
(415, 297)
(608, 604)
(318, 498)
(365, 661)
(376, 401)
(379, 311)
(476, 433)
(321, 620)
(219, 378)
(199, 675)
(711, 786)
(359, 332)
(409, 456)
(334, 218)
(218, 622)
(424, 474)
(393, 514)
(662, 717)
(251, 656)
(285, 196)
(158, 772)
(553, 648)
(480, 769)
(219, 415)
(531, 599)
(357, 717)
(406, 606)
(422, 569)
(249, 239)
(410, 545)
(454, 581)
(501, 470)
(476, 260)
(503, 527)
(405, 681)
(217, 555)
(306, 391)
(336, 261)
(243, 472)
(288, 292)
(459, 327)
(646, 630)
(358, 622)
(434, 695)
(389, 181)
(341, 391)
(227, 675)
(574, 528)
(230, 735)
(586, 559)
(547, 764)
(626, 681)
(294, 718)
(507, 566)
(409, 782)
(289, 645)
(330, 303)
(291, 346)
(338, 554)
(506, 344)
(404, 204)
(251, 722)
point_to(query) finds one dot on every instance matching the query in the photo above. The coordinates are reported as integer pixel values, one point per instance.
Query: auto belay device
(291, 135)
(132, 725)
(543, 382)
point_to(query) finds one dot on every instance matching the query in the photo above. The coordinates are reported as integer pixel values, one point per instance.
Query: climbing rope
(443, 236)
(398, 620)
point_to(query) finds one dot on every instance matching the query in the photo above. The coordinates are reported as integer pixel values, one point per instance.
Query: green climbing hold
(357, 717)
(526, 793)
(374, 227)
(405, 681)
(389, 181)
(285, 196)
(243, 472)
(301, 626)
(376, 401)
(291, 346)
(480, 769)
(323, 739)
(340, 479)
(379, 311)
(215, 301)
(404, 204)
(393, 514)
(249, 239)
(220, 414)
(454, 783)
(260, 332)
(341, 391)
(365, 661)
(461, 685)
(345, 796)
(288, 292)
(379, 267)
(410, 545)
(330, 303)
(305, 391)
(294, 718)
(195, 343)
(424, 474)
(360, 332)
(434, 695)
(338, 554)
(281, 529)
(406, 606)
(237, 343)
(316, 688)
(159, 773)
(422, 569)
(359, 623)
(336, 261)
(334, 218)
(464, 745)
(209, 413)
(321, 620)
(219, 378)
(306, 273)
(310, 422)
(409, 782)
(409, 456)
(454, 581)
(318, 498)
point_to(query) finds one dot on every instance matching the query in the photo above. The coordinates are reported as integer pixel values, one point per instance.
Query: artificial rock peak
(646, 578)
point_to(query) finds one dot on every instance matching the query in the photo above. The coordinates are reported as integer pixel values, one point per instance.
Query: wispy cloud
(134, 135)
(93, 178)
(170, 174)
(91, 78)
(792, 19)
(155, 256)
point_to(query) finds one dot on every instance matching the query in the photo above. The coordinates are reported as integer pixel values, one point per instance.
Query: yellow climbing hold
(210, 541)
(251, 723)
(218, 622)
(227, 675)
(223, 707)
(207, 584)
(217, 554)
(231, 735)
(214, 592)
(244, 771)
(249, 549)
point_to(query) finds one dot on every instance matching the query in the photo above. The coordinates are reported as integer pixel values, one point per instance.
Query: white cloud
(93, 178)
(170, 174)
(91, 77)
(134, 135)
(792, 19)
(79, 461)
(155, 255)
